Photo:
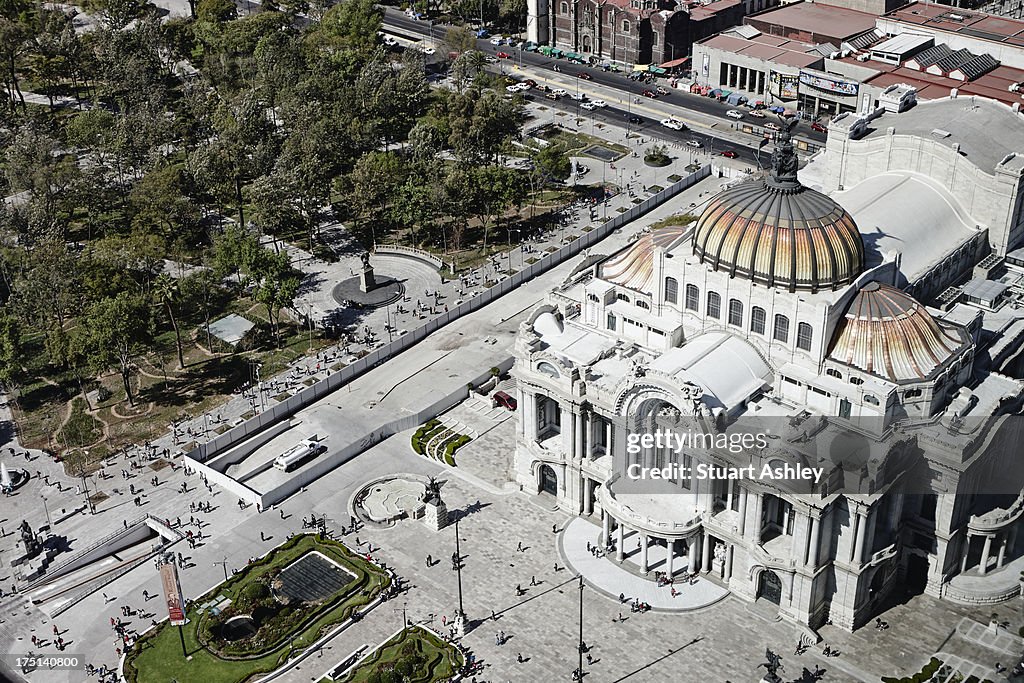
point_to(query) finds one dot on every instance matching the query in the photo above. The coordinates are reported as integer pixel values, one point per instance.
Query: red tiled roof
(999, 29)
(817, 18)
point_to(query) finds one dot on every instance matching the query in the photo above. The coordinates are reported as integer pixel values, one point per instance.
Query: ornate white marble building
(774, 313)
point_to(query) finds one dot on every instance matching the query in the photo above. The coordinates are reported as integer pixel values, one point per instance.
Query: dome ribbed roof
(779, 233)
(634, 267)
(888, 333)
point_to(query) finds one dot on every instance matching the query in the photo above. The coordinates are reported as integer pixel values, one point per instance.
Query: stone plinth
(435, 515)
(366, 280)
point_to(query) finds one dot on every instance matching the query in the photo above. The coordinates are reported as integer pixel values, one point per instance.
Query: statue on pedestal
(366, 279)
(773, 665)
(28, 538)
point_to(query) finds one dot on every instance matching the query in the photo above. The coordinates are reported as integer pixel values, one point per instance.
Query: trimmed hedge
(922, 676)
(423, 434)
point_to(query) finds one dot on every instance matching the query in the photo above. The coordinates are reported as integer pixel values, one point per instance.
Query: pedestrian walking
(429, 561)
(519, 547)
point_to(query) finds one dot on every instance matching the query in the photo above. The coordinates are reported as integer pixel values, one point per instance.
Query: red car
(504, 55)
(650, 93)
(818, 127)
(584, 75)
(729, 154)
(502, 399)
(530, 82)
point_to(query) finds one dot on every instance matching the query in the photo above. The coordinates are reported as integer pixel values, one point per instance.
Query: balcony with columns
(669, 516)
(990, 566)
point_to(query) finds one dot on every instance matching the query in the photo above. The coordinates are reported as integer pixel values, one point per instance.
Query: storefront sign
(832, 85)
(783, 85)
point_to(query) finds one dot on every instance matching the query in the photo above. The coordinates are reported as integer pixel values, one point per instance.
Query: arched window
(781, 329)
(912, 393)
(547, 369)
(714, 305)
(868, 398)
(592, 297)
(622, 297)
(625, 27)
(671, 290)
(856, 381)
(757, 320)
(611, 19)
(832, 372)
(803, 336)
(643, 304)
(692, 297)
(735, 312)
(565, 8)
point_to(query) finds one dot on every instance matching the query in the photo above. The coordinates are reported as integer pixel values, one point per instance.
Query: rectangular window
(692, 297)
(611, 322)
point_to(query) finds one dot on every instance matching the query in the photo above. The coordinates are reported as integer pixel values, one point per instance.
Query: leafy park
(286, 615)
(153, 168)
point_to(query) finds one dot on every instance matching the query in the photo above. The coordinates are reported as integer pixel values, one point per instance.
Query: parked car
(502, 399)
(734, 114)
(818, 127)
(635, 119)
(694, 143)
(757, 114)
(490, 59)
(599, 103)
(497, 40)
(504, 55)
(729, 154)
(771, 125)
(428, 50)
(578, 96)
(650, 93)
(589, 106)
(553, 96)
(662, 90)
(561, 92)
(674, 124)
(530, 82)
(584, 75)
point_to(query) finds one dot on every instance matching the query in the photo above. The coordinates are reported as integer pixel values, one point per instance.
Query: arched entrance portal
(587, 45)
(548, 481)
(769, 587)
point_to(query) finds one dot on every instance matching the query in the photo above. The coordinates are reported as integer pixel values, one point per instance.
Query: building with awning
(675, 63)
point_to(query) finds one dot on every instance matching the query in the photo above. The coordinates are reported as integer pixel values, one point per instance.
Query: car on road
(601, 104)
(561, 92)
(490, 59)
(584, 75)
(530, 82)
(674, 124)
(553, 96)
(650, 93)
(589, 106)
(504, 55)
(635, 119)
(771, 125)
(729, 154)
(390, 41)
(756, 114)
(518, 87)
(734, 114)
(578, 96)
(497, 40)
(662, 90)
(818, 127)
(694, 143)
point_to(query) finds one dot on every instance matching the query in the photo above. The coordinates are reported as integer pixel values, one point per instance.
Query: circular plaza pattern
(385, 500)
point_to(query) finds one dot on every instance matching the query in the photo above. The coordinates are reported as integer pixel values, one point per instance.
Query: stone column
(869, 536)
(758, 507)
(577, 446)
(966, 552)
(606, 538)
(620, 549)
(705, 560)
(608, 437)
(728, 561)
(814, 543)
(858, 538)
(983, 569)
(1002, 551)
(643, 552)
(585, 444)
(694, 549)
(743, 493)
(521, 400)
(588, 501)
(670, 545)
(728, 493)
(1012, 542)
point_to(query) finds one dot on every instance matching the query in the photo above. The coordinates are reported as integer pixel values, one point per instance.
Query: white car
(578, 96)
(599, 103)
(512, 88)
(589, 106)
(390, 42)
(672, 123)
(428, 50)
(490, 59)
(771, 125)
(497, 40)
(734, 114)
(560, 92)
(694, 143)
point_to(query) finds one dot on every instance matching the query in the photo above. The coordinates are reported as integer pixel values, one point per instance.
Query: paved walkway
(605, 574)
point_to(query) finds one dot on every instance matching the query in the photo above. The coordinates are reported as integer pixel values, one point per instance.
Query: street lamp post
(460, 616)
(224, 565)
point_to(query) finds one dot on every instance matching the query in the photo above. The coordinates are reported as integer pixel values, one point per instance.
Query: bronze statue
(365, 258)
(773, 665)
(433, 493)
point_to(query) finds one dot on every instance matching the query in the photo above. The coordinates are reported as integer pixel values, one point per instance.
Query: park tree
(114, 333)
(10, 350)
(553, 162)
(216, 11)
(459, 40)
(115, 14)
(373, 183)
(350, 23)
(14, 42)
(166, 295)
(159, 201)
(198, 289)
(274, 281)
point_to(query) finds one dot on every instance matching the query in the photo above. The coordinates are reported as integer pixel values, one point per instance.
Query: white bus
(305, 450)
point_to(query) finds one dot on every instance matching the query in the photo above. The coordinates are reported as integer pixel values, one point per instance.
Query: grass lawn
(157, 656)
(417, 653)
